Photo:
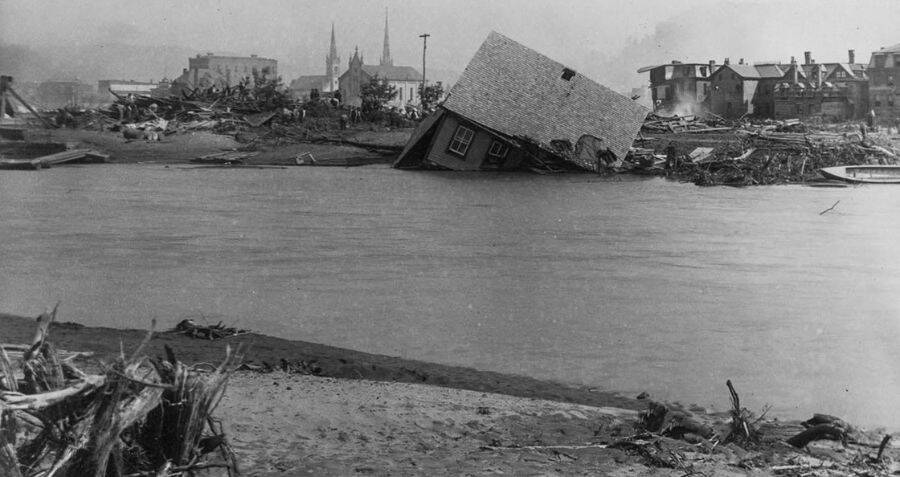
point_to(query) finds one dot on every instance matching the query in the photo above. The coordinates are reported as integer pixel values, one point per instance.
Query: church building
(404, 78)
(327, 83)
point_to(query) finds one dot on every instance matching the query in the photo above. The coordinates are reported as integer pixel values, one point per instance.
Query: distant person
(671, 158)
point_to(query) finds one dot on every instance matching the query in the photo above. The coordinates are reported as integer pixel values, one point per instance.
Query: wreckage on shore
(514, 108)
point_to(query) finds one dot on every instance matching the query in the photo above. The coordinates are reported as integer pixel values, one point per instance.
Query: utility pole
(424, 37)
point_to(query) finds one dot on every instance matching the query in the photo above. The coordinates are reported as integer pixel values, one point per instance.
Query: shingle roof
(755, 71)
(397, 73)
(769, 71)
(519, 92)
(745, 71)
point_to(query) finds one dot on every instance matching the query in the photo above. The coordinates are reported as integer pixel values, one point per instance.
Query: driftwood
(211, 332)
(137, 417)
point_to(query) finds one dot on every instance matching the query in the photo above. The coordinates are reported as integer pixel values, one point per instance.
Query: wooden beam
(16, 95)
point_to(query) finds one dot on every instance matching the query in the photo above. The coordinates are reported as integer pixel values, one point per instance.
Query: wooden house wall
(476, 154)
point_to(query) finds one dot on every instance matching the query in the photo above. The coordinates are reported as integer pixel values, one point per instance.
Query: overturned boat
(868, 174)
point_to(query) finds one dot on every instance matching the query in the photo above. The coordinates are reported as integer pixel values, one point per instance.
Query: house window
(497, 152)
(401, 95)
(461, 140)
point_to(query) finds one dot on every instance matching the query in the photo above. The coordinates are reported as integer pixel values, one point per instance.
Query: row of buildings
(217, 71)
(830, 91)
(205, 71)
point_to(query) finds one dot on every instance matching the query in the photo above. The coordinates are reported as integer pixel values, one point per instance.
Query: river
(624, 284)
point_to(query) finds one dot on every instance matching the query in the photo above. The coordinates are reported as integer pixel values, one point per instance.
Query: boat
(871, 174)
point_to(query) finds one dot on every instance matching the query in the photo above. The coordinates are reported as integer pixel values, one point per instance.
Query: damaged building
(514, 108)
(680, 88)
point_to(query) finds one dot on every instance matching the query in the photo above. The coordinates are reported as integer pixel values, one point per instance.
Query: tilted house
(515, 108)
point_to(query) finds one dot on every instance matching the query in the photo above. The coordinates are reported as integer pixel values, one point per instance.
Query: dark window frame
(457, 142)
(500, 156)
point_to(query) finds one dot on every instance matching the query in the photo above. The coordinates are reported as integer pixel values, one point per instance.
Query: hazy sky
(587, 35)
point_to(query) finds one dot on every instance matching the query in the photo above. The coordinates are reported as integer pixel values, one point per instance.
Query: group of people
(294, 114)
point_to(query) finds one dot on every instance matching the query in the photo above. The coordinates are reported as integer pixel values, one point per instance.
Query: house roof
(890, 49)
(306, 83)
(517, 91)
(755, 72)
(397, 73)
(769, 71)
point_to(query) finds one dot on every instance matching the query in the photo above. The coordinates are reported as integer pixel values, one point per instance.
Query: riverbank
(348, 412)
(364, 145)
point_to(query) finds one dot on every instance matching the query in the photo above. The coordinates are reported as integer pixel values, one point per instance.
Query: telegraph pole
(424, 37)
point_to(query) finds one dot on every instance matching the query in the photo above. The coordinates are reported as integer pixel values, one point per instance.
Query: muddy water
(631, 285)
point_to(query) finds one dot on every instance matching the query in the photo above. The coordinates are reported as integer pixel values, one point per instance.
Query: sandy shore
(380, 415)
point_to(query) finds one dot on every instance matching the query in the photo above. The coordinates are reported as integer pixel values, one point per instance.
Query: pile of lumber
(765, 156)
(655, 123)
(138, 416)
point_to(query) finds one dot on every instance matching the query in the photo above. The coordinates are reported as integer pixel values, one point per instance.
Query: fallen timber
(139, 416)
(782, 152)
(74, 156)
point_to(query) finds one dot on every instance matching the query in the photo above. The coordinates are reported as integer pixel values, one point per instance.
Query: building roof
(307, 83)
(645, 69)
(754, 71)
(769, 70)
(396, 73)
(517, 91)
(890, 49)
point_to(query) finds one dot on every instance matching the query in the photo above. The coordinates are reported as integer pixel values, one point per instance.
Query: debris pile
(775, 152)
(139, 416)
(655, 123)
(670, 436)
(211, 332)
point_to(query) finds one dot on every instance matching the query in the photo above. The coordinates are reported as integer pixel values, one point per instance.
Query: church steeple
(333, 50)
(386, 59)
(332, 63)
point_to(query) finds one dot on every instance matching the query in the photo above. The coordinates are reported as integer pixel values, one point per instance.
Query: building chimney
(851, 56)
(741, 61)
(727, 61)
(712, 66)
(795, 76)
(807, 57)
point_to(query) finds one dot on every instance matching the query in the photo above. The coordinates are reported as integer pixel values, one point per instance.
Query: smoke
(758, 31)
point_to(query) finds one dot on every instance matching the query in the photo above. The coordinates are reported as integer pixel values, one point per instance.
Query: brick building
(680, 88)
(884, 73)
(209, 70)
(830, 91)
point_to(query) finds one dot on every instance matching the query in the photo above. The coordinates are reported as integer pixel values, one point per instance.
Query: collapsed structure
(514, 108)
